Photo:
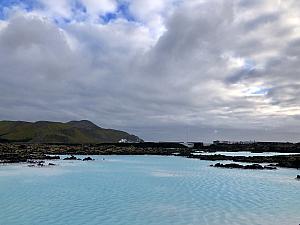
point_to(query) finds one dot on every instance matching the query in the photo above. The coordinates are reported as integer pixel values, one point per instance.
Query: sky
(165, 70)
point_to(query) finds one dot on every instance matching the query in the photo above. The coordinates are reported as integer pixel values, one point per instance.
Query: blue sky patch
(27, 5)
(121, 12)
(106, 18)
(123, 9)
(79, 11)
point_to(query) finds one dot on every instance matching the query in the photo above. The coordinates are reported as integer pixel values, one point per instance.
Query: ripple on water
(146, 190)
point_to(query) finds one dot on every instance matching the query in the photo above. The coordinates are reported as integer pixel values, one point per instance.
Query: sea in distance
(146, 190)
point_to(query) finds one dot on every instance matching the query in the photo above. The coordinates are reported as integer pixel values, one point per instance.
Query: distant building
(123, 140)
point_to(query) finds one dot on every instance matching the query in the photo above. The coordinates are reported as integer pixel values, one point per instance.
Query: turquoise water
(146, 190)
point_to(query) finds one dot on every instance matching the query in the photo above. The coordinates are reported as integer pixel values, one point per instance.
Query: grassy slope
(55, 132)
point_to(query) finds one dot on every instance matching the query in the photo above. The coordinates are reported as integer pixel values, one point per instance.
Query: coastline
(16, 153)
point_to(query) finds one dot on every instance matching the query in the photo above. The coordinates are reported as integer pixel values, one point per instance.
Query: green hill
(82, 131)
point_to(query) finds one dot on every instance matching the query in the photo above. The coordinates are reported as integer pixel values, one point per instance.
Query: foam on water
(146, 190)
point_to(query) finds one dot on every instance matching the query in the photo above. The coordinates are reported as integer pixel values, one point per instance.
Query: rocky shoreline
(245, 167)
(15, 153)
(288, 161)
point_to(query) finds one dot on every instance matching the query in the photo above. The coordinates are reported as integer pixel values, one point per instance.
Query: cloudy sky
(161, 69)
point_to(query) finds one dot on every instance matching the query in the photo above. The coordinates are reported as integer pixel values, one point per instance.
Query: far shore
(16, 153)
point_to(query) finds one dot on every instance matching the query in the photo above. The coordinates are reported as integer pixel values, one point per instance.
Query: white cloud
(210, 64)
(95, 7)
(3, 24)
(57, 8)
(153, 13)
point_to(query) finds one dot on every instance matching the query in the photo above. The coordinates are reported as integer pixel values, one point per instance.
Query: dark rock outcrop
(253, 167)
(246, 167)
(15, 153)
(290, 161)
(49, 157)
(270, 167)
(72, 157)
(229, 165)
(88, 159)
(40, 164)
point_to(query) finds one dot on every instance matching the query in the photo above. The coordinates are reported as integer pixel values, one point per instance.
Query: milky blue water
(147, 190)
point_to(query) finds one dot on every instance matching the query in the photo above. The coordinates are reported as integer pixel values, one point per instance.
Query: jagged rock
(229, 165)
(51, 164)
(290, 161)
(49, 157)
(254, 167)
(270, 167)
(246, 167)
(298, 177)
(88, 159)
(72, 157)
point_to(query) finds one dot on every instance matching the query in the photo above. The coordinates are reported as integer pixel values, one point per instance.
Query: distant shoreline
(15, 153)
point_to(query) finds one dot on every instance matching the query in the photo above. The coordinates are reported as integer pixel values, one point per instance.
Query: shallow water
(147, 190)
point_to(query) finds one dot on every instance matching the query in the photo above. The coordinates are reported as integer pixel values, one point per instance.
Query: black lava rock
(88, 159)
(72, 157)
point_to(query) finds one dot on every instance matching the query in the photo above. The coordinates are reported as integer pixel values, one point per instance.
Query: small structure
(123, 140)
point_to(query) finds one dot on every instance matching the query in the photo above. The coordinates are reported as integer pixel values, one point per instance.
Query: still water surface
(146, 190)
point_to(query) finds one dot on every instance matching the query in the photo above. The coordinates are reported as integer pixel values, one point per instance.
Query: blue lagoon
(146, 190)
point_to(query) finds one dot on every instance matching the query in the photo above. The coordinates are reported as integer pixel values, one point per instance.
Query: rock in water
(246, 167)
(88, 159)
(72, 157)
(254, 167)
(52, 157)
(270, 167)
(40, 164)
(229, 165)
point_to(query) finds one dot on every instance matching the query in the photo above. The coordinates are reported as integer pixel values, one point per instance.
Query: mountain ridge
(82, 131)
